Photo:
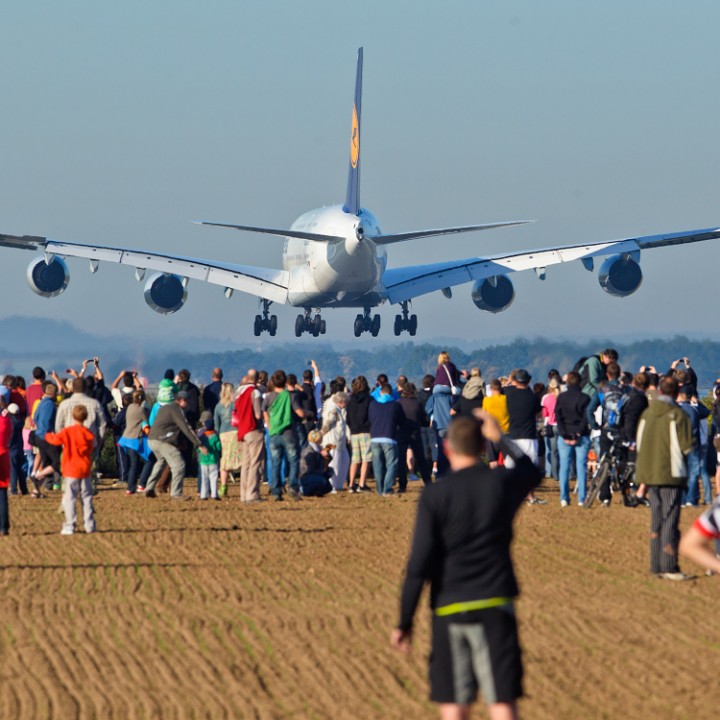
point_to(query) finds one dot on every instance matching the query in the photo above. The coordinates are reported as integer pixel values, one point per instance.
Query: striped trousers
(664, 531)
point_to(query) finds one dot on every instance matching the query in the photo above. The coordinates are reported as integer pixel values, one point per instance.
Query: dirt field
(219, 610)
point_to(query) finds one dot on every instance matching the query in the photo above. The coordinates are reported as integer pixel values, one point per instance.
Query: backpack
(280, 413)
(582, 369)
(612, 404)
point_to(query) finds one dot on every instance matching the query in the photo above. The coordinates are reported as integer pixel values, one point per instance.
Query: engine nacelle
(620, 275)
(495, 298)
(165, 293)
(48, 280)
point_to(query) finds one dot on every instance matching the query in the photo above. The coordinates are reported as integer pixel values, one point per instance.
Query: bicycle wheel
(597, 481)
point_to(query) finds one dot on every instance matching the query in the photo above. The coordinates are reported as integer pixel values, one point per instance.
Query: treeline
(414, 360)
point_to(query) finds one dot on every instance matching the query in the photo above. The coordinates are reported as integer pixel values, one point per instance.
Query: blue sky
(121, 122)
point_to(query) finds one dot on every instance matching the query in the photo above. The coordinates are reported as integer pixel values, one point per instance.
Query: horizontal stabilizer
(401, 237)
(272, 231)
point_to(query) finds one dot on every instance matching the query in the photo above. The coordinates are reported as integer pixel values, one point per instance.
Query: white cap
(13, 408)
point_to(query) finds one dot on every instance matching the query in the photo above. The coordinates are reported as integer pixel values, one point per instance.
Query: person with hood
(472, 394)
(664, 439)
(386, 417)
(359, 427)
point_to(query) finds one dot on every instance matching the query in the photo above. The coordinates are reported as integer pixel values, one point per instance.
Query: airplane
(335, 257)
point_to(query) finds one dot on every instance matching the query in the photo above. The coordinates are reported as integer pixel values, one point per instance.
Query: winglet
(352, 198)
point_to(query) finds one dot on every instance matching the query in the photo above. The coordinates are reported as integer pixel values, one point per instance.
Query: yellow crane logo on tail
(354, 140)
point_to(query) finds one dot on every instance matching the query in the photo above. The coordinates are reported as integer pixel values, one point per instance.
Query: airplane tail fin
(352, 198)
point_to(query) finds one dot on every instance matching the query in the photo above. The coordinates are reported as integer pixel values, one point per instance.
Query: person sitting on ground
(314, 458)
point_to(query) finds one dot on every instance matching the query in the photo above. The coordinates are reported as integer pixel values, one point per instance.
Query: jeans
(696, 466)
(568, 453)
(552, 459)
(385, 464)
(284, 446)
(18, 476)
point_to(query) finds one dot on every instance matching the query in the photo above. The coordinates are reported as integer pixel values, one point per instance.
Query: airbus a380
(334, 257)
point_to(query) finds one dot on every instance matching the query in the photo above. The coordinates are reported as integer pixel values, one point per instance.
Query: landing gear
(405, 321)
(306, 323)
(365, 323)
(265, 322)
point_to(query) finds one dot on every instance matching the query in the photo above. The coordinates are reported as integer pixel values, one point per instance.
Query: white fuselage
(336, 273)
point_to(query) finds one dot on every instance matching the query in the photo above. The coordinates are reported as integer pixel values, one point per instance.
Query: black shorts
(49, 454)
(476, 650)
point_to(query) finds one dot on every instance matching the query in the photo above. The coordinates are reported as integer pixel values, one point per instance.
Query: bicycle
(616, 465)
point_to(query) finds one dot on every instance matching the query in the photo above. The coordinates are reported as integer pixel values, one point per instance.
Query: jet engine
(493, 298)
(165, 293)
(48, 279)
(620, 275)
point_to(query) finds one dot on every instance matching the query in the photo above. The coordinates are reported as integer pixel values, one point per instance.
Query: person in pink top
(550, 425)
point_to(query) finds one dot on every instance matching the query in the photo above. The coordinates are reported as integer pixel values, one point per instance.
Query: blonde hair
(443, 357)
(227, 394)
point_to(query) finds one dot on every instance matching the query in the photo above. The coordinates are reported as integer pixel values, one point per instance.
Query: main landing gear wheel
(308, 324)
(317, 326)
(405, 321)
(365, 323)
(265, 322)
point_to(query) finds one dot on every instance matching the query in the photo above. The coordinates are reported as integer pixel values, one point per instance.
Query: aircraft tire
(273, 325)
(412, 329)
(397, 328)
(257, 326)
(323, 328)
(375, 329)
(317, 325)
(358, 326)
(299, 325)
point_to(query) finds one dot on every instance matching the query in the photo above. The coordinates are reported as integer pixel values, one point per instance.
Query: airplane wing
(401, 237)
(267, 283)
(405, 283)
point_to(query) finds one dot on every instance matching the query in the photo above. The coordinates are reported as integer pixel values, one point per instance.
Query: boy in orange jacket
(77, 442)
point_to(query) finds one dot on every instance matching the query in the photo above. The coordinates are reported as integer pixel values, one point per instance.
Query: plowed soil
(283, 610)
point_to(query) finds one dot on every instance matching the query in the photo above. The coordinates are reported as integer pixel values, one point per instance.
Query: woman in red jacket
(5, 434)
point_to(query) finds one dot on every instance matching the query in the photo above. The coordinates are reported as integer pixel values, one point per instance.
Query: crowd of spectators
(310, 435)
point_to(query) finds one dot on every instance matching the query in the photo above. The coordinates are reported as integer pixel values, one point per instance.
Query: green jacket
(664, 438)
(210, 440)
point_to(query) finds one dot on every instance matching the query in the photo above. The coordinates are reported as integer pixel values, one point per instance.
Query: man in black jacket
(461, 544)
(573, 437)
